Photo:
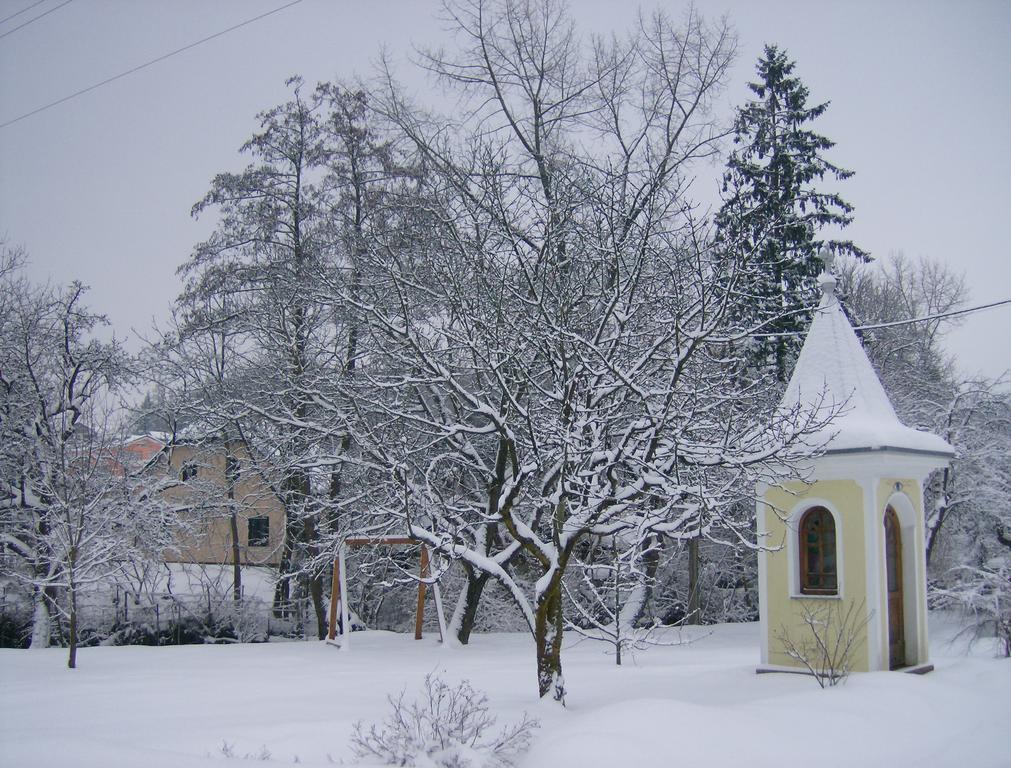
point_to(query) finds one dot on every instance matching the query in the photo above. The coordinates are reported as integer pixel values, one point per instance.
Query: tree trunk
(316, 594)
(236, 555)
(282, 590)
(42, 617)
(942, 512)
(315, 577)
(72, 657)
(635, 604)
(694, 598)
(548, 637)
(231, 477)
(617, 602)
(476, 582)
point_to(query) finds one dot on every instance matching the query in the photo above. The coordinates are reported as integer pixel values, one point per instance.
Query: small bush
(446, 728)
(984, 594)
(832, 636)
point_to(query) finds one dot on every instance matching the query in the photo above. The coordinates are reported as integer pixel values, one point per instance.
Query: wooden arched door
(893, 570)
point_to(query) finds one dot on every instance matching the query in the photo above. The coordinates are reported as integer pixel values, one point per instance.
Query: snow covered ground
(699, 704)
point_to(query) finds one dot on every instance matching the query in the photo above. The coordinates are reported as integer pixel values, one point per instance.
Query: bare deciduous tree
(554, 335)
(73, 514)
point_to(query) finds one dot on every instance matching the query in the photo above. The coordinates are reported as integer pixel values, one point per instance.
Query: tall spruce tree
(772, 212)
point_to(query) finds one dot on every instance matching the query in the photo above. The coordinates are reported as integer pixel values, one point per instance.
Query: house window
(188, 472)
(231, 469)
(818, 569)
(259, 531)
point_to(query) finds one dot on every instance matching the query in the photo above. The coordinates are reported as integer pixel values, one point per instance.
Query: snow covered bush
(446, 728)
(984, 594)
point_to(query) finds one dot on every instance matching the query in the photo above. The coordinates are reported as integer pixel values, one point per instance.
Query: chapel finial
(827, 279)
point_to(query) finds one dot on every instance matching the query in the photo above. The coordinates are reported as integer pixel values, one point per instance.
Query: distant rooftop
(142, 447)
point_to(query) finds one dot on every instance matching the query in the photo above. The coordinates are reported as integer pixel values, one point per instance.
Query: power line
(939, 316)
(146, 64)
(926, 318)
(33, 20)
(18, 13)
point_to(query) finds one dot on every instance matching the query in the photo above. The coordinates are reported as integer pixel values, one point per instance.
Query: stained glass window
(818, 570)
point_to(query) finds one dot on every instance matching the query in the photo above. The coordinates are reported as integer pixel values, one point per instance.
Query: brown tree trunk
(316, 593)
(236, 557)
(548, 637)
(694, 598)
(295, 491)
(933, 530)
(282, 590)
(72, 657)
(617, 602)
(315, 577)
(476, 582)
(231, 477)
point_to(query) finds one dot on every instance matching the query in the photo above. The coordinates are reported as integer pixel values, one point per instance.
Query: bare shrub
(832, 634)
(984, 595)
(263, 755)
(445, 728)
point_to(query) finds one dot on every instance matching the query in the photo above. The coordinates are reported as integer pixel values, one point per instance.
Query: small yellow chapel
(852, 534)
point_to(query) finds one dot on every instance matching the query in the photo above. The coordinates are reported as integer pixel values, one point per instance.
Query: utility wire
(146, 64)
(33, 20)
(938, 316)
(18, 13)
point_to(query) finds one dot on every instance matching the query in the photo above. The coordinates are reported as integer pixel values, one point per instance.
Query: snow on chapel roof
(833, 373)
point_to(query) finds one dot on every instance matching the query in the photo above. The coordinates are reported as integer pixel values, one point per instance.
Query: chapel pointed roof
(834, 374)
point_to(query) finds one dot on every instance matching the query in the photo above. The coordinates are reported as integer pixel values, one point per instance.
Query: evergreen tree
(772, 212)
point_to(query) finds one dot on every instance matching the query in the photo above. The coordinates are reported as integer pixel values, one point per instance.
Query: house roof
(834, 375)
(143, 447)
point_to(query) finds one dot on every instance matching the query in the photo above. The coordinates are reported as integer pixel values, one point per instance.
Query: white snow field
(699, 704)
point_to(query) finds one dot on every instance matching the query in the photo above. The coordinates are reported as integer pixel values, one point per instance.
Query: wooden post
(339, 589)
(342, 575)
(335, 595)
(419, 618)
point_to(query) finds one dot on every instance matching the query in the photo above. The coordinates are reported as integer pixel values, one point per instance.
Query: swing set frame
(339, 587)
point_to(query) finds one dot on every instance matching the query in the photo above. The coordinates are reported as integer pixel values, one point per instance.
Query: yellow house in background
(848, 544)
(217, 480)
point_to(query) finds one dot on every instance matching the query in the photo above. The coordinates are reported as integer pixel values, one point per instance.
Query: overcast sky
(100, 188)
